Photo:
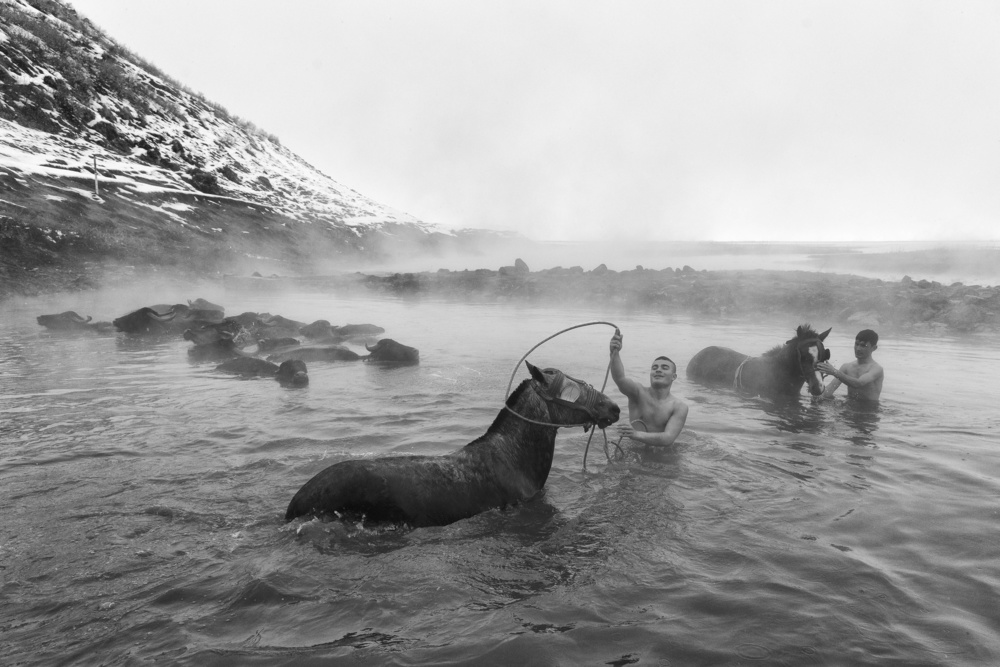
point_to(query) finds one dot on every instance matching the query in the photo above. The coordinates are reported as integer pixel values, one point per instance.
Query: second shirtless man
(655, 416)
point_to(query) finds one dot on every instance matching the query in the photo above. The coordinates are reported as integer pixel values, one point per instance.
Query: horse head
(571, 401)
(808, 351)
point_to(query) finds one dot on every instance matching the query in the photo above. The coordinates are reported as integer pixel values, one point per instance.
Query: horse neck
(788, 359)
(527, 445)
(774, 370)
(788, 373)
(526, 407)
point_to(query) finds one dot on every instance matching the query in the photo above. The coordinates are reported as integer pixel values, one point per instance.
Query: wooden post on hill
(97, 195)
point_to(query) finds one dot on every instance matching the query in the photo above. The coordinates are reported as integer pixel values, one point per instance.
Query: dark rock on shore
(907, 305)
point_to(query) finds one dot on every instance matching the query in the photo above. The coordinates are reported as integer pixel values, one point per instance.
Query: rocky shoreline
(916, 306)
(825, 299)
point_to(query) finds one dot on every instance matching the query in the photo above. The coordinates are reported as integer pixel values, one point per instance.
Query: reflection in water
(792, 415)
(863, 417)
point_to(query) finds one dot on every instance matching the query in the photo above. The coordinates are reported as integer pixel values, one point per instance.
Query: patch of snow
(178, 206)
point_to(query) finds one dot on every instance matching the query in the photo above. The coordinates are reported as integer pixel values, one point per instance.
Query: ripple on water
(144, 499)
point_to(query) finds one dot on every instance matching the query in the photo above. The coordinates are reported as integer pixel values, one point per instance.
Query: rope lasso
(620, 438)
(738, 379)
(606, 374)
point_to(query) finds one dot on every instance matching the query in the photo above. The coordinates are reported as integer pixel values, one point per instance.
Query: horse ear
(535, 373)
(826, 333)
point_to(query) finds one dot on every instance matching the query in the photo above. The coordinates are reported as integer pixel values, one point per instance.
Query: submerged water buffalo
(278, 326)
(291, 372)
(389, 351)
(145, 321)
(202, 304)
(166, 318)
(316, 353)
(317, 329)
(357, 330)
(270, 344)
(214, 342)
(507, 465)
(70, 321)
(322, 330)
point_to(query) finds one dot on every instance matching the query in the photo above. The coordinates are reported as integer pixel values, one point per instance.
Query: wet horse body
(507, 465)
(780, 371)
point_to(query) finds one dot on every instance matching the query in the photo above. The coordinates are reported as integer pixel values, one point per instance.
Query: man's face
(662, 373)
(863, 348)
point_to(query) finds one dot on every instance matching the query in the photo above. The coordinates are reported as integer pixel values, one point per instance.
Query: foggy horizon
(719, 121)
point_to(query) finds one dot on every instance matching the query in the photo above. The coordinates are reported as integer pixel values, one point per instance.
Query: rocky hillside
(102, 155)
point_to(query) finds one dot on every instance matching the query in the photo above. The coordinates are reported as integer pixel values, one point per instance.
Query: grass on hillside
(53, 233)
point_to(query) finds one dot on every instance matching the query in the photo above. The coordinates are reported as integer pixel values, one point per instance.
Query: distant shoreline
(837, 295)
(918, 306)
(969, 262)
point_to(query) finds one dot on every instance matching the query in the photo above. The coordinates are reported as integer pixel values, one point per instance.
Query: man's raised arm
(625, 385)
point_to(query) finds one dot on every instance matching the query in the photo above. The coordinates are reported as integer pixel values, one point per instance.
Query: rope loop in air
(606, 374)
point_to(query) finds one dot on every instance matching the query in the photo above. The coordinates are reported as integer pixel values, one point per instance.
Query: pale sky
(719, 120)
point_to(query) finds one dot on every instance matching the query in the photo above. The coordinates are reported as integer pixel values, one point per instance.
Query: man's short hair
(867, 336)
(674, 363)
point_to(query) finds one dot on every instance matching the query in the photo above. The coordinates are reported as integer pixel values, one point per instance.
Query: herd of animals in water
(507, 465)
(249, 344)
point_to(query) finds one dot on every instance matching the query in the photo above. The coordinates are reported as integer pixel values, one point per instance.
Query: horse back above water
(780, 371)
(506, 465)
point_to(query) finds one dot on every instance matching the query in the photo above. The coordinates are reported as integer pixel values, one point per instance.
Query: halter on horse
(809, 352)
(568, 392)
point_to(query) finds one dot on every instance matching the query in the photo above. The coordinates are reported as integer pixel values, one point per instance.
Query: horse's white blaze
(814, 351)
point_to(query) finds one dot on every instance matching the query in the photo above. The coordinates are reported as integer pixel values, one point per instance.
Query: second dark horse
(506, 465)
(780, 371)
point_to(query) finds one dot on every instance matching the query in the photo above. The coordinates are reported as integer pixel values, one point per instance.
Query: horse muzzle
(815, 384)
(606, 421)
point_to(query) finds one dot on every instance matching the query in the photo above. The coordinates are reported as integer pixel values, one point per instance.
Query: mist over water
(972, 263)
(144, 497)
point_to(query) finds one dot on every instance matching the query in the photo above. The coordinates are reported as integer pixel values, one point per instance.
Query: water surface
(143, 501)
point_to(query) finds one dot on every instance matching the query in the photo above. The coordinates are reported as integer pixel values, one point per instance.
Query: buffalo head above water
(144, 320)
(389, 351)
(64, 321)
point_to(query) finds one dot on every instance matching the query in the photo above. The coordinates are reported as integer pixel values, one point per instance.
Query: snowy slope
(70, 95)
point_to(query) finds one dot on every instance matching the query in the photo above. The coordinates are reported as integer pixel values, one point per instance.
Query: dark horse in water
(506, 465)
(780, 371)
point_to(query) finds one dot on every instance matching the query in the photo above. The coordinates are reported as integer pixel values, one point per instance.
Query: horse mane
(803, 332)
(806, 331)
(501, 416)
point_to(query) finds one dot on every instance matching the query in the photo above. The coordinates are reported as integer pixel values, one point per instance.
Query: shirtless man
(863, 377)
(661, 414)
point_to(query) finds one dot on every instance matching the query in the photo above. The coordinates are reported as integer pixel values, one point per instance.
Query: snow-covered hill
(72, 101)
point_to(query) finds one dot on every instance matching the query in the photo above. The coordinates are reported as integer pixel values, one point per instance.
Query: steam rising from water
(969, 263)
(973, 264)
